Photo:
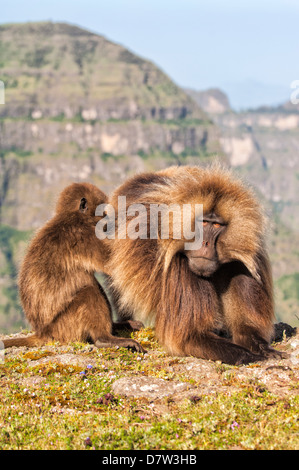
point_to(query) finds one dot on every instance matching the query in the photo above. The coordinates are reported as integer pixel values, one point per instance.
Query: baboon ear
(83, 205)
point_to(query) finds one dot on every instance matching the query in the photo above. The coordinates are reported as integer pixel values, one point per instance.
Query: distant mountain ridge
(57, 69)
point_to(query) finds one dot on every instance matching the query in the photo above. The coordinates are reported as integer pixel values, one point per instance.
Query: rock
(212, 101)
(148, 387)
(66, 359)
(239, 149)
(34, 381)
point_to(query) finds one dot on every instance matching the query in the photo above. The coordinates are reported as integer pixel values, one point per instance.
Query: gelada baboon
(190, 295)
(58, 290)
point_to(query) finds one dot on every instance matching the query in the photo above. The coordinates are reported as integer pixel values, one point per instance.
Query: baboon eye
(216, 225)
(204, 222)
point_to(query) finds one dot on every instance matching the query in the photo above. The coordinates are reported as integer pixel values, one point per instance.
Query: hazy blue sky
(249, 49)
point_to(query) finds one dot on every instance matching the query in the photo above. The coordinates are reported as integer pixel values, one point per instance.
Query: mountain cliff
(56, 69)
(78, 107)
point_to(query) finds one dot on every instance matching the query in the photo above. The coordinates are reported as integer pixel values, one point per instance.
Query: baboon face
(205, 260)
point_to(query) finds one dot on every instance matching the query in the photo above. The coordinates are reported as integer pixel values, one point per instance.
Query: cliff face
(264, 146)
(39, 158)
(79, 107)
(212, 101)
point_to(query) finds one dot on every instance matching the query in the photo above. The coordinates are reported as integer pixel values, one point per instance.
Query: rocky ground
(79, 397)
(157, 376)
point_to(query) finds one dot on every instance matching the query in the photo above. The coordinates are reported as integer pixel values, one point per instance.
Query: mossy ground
(62, 406)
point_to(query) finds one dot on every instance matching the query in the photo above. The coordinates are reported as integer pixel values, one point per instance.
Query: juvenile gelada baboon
(190, 295)
(58, 290)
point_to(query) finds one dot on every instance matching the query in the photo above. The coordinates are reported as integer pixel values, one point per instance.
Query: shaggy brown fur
(60, 295)
(153, 280)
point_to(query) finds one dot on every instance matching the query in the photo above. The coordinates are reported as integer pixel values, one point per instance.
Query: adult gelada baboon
(189, 295)
(58, 290)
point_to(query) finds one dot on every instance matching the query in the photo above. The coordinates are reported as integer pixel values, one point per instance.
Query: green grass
(218, 423)
(72, 408)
